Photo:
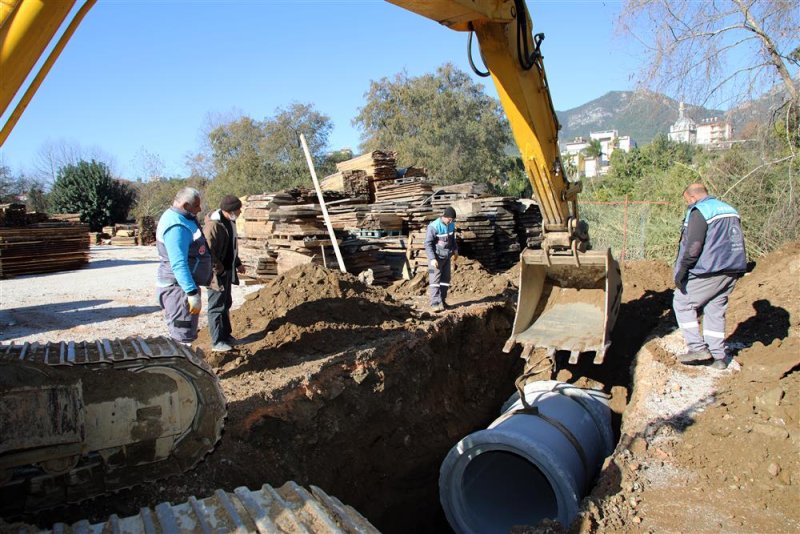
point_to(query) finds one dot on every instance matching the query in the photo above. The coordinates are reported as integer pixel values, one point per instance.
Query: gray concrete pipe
(525, 466)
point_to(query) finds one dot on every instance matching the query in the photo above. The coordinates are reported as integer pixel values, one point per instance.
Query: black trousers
(219, 308)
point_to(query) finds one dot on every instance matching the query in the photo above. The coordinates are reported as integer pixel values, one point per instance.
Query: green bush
(88, 188)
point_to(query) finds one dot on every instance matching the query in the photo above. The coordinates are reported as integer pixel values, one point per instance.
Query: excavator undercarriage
(81, 419)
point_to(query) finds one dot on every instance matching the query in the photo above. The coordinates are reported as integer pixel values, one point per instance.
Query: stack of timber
(66, 217)
(418, 217)
(348, 217)
(43, 248)
(379, 166)
(413, 190)
(488, 231)
(381, 223)
(529, 224)
(298, 234)
(360, 255)
(416, 257)
(353, 183)
(125, 235)
(257, 226)
(444, 196)
(394, 251)
(13, 215)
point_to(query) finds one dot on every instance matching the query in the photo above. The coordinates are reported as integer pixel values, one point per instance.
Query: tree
(252, 156)
(594, 150)
(725, 50)
(443, 122)
(88, 188)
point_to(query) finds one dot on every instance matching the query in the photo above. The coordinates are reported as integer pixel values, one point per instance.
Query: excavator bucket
(566, 302)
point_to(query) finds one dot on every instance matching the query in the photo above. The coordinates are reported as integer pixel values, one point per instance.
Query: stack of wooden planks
(414, 190)
(348, 217)
(125, 235)
(43, 248)
(379, 166)
(360, 255)
(529, 224)
(353, 183)
(255, 212)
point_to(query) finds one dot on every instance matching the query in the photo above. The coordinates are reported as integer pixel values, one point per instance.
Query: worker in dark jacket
(711, 258)
(220, 231)
(185, 265)
(441, 246)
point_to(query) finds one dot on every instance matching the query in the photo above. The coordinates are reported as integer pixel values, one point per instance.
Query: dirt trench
(362, 392)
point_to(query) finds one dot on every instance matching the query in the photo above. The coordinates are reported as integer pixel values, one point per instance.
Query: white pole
(322, 205)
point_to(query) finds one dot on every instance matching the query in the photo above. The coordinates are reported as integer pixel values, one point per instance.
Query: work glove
(435, 264)
(194, 303)
(680, 282)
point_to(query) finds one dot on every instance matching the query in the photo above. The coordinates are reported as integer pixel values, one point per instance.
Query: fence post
(624, 230)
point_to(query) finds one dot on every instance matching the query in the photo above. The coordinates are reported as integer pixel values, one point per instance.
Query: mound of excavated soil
(355, 389)
(469, 282)
(712, 451)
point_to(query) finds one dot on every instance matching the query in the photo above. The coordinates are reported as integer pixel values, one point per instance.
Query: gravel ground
(113, 296)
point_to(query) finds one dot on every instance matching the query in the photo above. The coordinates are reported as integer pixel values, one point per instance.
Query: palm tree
(594, 150)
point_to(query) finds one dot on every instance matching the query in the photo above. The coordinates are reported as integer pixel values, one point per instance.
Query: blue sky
(146, 75)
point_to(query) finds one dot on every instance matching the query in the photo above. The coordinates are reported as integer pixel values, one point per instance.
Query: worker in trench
(184, 265)
(711, 258)
(220, 231)
(442, 250)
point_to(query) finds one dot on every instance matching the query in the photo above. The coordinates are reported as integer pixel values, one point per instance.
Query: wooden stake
(322, 205)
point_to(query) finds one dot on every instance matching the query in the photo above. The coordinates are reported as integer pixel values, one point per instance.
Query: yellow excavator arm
(514, 61)
(568, 297)
(26, 29)
(558, 306)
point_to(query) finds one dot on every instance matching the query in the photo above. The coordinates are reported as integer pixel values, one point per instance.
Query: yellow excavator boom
(568, 296)
(558, 284)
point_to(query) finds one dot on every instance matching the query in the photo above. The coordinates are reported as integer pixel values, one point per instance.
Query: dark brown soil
(362, 391)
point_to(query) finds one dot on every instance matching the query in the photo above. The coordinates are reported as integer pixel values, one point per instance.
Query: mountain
(639, 114)
(642, 114)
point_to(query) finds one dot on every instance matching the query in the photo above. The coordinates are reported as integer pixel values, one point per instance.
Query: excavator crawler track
(288, 509)
(79, 419)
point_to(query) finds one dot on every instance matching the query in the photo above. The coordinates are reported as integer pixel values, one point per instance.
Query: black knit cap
(449, 212)
(230, 203)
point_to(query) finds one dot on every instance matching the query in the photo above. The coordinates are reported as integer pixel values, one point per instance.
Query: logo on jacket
(202, 249)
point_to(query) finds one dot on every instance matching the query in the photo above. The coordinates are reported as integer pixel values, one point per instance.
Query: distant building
(684, 130)
(714, 132)
(574, 153)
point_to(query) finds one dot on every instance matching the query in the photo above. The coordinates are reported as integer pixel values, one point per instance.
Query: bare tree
(720, 51)
(53, 155)
(148, 165)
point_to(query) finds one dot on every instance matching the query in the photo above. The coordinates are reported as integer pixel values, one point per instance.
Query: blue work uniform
(711, 258)
(185, 265)
(440, 245)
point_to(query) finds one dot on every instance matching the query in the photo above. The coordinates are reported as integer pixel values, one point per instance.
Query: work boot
(719, 365)
(437, 307)
(221, 347)
(695, 357)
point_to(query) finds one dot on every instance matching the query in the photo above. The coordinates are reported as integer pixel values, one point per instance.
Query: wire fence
(633, 230)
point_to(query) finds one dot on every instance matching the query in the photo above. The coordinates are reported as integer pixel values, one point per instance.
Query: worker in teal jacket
(185, 265)
(711, 258)
(441, 247)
